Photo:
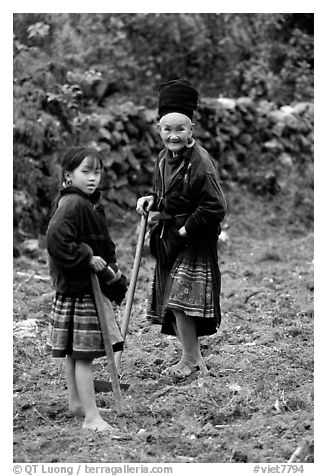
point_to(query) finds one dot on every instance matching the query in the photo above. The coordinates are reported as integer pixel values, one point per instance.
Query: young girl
(78, 244)
(186, 287)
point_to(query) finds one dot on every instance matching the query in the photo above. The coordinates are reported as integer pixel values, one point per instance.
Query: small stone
(142, 433)
(239, 457)
(235, 388)
(208, 430)
(31, 247)
(310, 285)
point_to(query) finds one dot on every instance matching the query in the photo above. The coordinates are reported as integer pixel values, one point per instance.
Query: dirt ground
(256, 403)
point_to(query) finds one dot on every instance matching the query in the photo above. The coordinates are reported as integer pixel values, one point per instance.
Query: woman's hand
(116, 275)
(144, 204)
(97, 263)
(182, 231)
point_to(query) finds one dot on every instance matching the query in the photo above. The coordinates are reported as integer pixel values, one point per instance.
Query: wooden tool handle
(107, 343)
(132, 285)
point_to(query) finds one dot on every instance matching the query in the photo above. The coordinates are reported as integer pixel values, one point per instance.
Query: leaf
(103, 132)
(132, 160)
(119, 126)
(121, 182)
(273, 145)
(116, 137)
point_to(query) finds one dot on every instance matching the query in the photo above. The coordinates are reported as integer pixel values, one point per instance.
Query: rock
(285, 160)
(143, 434)
(307, 425)
(287, 109)
(227, 103)
(245, 101)
(301, 107)
(16, 251)
(310, 285)
(158, 361)
(278, 116)
(45, 298)
(208, 430)
(239, 457)
(235, 388)
(224, 240)
(31, 247)
(273, 145)
(26, 328)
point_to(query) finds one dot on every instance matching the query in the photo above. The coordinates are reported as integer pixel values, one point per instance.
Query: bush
(269, 150)
(81, 99)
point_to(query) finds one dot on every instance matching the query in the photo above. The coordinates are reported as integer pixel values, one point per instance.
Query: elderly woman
(191, 206)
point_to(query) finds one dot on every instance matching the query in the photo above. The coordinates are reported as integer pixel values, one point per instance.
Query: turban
(177, 95)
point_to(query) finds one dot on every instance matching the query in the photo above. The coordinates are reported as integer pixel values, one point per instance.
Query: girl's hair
(75, 156)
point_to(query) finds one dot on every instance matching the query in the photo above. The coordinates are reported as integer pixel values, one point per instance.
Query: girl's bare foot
(77, 411)
(97, 424)
(104, 410)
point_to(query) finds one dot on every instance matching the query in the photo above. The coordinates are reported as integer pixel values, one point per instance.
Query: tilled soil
(256, 403)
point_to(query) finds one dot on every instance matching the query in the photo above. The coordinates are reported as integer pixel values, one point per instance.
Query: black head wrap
(177, 95)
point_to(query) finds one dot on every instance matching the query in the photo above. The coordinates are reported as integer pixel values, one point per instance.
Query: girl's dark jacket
(76, 232)
(193, 199)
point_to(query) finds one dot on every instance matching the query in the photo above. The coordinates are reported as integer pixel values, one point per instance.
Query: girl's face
(86, 176)
(175, 129)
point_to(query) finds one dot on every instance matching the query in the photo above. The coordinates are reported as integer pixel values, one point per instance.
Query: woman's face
(86, 176)
(175, 129)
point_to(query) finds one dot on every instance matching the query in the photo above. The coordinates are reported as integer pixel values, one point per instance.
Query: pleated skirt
(192, 285)
(74, 328)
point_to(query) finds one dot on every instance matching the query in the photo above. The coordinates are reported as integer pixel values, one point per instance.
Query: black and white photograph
(163, 242)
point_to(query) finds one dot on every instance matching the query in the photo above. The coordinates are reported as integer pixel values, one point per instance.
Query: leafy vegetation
(93, 78)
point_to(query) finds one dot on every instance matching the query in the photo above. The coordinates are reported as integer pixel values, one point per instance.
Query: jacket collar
(184, 159)
(93, 198)
(183, 155)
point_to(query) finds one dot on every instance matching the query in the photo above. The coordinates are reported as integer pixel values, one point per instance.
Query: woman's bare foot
(97, 424)
(182, 369)
(202, 366)
(186, 367)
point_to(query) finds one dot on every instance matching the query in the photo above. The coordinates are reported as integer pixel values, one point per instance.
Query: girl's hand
(97, 263)
(144, 204)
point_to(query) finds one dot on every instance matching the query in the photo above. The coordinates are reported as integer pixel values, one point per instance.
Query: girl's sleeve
(211, 205)
(62, 240)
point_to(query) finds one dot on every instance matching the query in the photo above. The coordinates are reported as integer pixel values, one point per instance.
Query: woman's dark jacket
(193, 199)
(76, 232)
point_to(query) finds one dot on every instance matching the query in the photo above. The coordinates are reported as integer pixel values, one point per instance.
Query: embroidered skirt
(74, 328)
(191, 285)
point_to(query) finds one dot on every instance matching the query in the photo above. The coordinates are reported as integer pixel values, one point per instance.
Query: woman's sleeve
(62, 240)
(155, 191)
(211, 205)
